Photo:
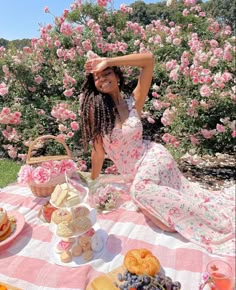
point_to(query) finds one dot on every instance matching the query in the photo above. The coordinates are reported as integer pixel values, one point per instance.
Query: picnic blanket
(26, 261)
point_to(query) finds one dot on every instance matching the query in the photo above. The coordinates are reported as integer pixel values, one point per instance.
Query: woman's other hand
(96, 65)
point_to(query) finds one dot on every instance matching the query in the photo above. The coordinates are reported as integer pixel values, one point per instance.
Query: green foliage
(14, 44)
(151, 27)
(223, 11)
(9, 170)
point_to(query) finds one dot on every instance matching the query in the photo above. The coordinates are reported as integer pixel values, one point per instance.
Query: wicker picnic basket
(44, 190)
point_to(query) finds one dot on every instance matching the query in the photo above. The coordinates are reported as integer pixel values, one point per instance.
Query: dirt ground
(211, 172)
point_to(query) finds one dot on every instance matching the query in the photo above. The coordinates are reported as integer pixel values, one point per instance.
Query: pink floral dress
(204, 217)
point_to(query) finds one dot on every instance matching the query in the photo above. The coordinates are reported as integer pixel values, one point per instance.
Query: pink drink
(221, 274)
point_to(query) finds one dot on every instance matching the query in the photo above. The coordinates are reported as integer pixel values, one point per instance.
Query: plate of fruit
(140, 270)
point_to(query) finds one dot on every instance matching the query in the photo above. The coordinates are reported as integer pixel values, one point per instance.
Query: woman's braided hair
(98, 110)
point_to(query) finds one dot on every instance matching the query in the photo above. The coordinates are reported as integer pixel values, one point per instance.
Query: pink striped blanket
(26, 261)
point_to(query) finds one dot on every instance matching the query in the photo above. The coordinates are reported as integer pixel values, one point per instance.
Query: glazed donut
(141, 262)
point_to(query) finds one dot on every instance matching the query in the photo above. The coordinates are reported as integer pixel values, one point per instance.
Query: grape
(145, 282)
(177, 283)
(120, 277)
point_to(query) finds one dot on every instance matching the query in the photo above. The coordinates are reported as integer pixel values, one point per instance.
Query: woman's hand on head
(96, 65)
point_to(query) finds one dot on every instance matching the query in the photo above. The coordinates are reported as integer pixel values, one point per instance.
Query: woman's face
(106, 81)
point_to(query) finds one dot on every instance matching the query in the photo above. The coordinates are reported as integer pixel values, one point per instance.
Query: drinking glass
(221, 275)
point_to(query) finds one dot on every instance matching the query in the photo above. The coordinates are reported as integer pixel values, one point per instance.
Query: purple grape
(120, 277)
(146, 280)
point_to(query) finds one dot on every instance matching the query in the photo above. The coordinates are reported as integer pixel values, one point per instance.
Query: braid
(98, 107)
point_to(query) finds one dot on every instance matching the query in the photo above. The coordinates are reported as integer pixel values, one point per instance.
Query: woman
(112, 122)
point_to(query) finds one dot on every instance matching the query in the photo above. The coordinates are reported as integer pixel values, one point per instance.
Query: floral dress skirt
(204, 217)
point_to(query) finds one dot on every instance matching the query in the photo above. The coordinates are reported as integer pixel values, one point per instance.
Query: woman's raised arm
(145, 61)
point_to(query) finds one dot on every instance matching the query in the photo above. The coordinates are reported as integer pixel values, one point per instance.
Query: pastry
(141, 262)
(4, 286)
(82, 224)
(7, 224)
(96, 243)
(66, 257)
(76, 251)
(102, 282)
(72, 199)
(61, 215)
(59, 194)
(81, 211)
(65, 229)
(63, 246)
(65, 195)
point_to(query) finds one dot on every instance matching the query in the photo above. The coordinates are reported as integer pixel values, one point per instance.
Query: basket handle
(29, 159)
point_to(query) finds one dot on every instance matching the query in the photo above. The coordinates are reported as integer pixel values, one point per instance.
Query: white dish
(77, 261)
(20, 222)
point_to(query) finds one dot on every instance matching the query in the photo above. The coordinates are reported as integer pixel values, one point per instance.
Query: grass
(8, 172)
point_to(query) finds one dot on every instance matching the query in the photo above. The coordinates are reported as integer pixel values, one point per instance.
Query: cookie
(76, 251)
(66, 257)
(84, 240)
(63, 246)
(61, 215)
(87, 255)
(87, 247)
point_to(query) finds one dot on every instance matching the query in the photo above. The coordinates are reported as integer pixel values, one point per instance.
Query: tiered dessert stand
(94, 229)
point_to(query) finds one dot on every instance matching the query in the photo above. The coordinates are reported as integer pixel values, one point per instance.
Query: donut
(61, 215)
(141, 262)
(96, 243)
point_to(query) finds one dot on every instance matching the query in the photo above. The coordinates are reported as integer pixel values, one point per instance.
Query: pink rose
(68, 92)
(208, 133)
(233, 134)
(41, 175)
(38, 79)
(67, 166)
(205, 91)
(74, 126)
(220, 128)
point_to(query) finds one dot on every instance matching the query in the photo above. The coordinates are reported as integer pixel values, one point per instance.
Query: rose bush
(191, 103)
